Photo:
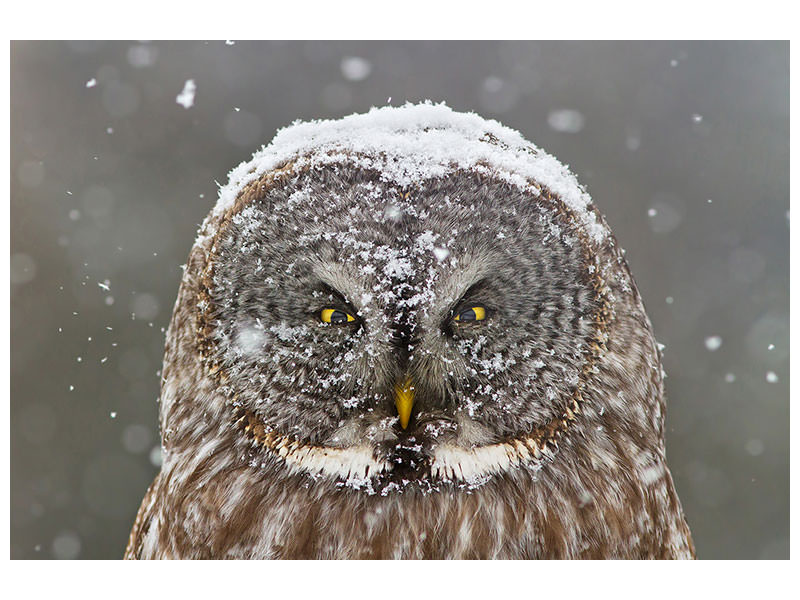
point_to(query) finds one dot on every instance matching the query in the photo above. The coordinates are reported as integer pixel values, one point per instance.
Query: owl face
(395, 335)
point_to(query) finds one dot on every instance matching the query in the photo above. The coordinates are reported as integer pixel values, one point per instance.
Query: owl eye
(473, 313)
(335, 317)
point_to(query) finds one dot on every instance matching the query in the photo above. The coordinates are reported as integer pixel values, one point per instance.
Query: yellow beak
(404, 401)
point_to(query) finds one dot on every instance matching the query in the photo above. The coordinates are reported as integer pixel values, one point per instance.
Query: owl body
(409, 334)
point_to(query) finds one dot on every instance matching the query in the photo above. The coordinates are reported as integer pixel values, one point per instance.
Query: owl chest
(430, 527)
(241, 513)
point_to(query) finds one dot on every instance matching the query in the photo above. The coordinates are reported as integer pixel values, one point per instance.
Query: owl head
(407, 298)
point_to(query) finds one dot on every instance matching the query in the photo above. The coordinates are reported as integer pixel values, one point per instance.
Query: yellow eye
(336, 317)
(474, 313)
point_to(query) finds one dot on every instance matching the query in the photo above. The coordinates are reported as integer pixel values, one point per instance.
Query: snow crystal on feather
(410, 144)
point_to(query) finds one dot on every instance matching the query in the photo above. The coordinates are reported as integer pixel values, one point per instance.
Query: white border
(407, 20)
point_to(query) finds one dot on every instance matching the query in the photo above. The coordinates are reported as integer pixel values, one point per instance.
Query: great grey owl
(409, 334)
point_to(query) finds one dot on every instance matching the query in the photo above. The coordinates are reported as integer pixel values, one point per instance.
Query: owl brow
(326, 288)
(332, 279)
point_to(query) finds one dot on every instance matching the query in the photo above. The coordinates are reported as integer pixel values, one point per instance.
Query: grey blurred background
(683, 145)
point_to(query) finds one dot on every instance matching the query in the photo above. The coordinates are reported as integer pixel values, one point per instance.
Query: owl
(409, 334)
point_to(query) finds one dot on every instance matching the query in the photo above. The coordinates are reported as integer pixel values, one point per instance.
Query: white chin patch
(356, 464)
(475, 465)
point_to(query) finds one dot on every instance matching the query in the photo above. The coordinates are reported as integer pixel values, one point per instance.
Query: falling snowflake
(186, 97)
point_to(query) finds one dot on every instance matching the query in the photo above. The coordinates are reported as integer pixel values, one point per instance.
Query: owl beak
(404, 401)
